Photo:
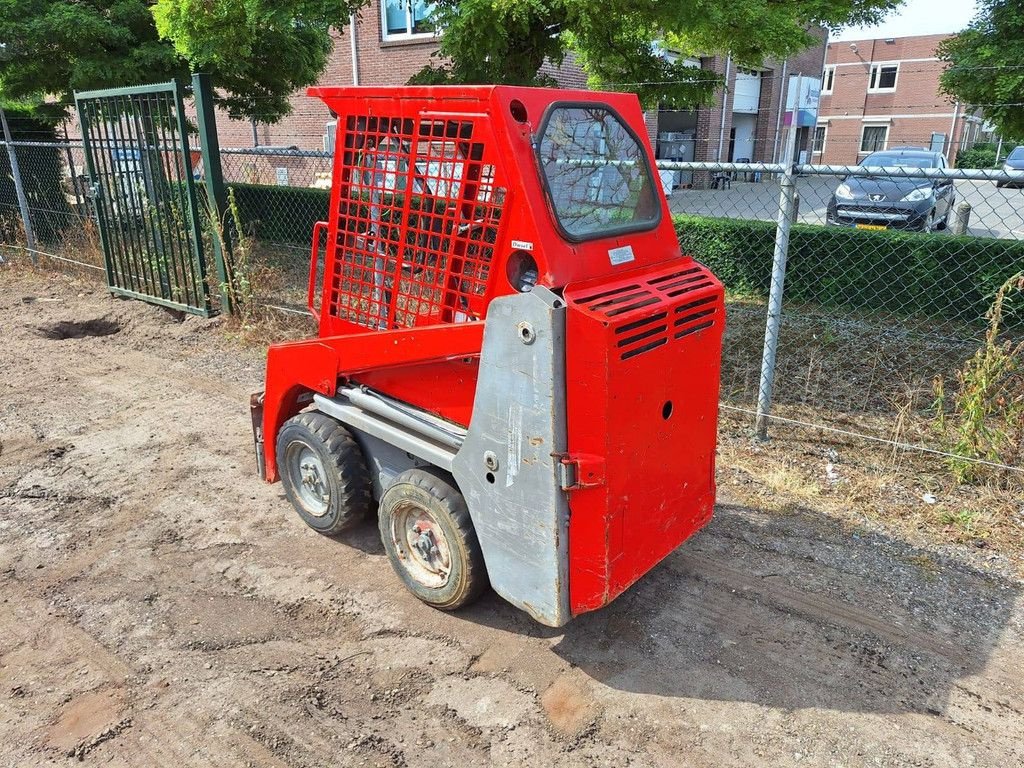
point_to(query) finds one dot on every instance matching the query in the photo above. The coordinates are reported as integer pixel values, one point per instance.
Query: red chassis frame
(642, 414)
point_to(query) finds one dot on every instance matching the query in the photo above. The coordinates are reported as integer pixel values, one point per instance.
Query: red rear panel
(643, 354)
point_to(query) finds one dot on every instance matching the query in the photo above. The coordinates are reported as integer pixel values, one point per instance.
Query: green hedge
(935, 275)
(281, 214)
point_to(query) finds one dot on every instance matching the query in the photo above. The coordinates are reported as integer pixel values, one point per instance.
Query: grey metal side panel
(506, 468)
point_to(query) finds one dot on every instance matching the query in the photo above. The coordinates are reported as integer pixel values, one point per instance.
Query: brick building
(748, 118)
(394, 40)
(884, 93)
(391, 43)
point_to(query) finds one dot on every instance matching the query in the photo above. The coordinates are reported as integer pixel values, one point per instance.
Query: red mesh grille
(421, 203)
(651, 311)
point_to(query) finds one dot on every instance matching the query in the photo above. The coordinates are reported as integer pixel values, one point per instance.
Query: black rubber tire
(436, 492)
(347, 477)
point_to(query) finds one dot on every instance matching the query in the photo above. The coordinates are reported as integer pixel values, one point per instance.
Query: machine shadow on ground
(791, 612)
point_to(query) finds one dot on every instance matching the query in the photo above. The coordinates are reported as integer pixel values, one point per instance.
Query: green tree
(986, 64)
(506, 41)
(258, 52)
(54, 48)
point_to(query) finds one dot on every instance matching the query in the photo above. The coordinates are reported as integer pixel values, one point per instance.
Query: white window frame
(828, 74)
(408, 34)
(824, 138)
(885, 141)
(877, 66)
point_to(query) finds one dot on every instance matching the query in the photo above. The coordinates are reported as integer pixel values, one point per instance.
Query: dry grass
(908, 491)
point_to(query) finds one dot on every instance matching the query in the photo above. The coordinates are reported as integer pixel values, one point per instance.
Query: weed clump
(986, 420)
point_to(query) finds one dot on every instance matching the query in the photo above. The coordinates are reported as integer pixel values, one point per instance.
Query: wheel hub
(309, 479)
(422, 546)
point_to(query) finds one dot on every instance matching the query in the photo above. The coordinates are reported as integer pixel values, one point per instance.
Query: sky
(917, 17)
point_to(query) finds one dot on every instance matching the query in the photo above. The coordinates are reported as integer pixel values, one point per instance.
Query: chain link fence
(54, 189)
(889, 275)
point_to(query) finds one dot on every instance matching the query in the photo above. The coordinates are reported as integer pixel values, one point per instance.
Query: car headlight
(917, 195)
(843, 192)
(1007, 167)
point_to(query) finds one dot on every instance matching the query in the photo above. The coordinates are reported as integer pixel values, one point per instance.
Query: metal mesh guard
(420, 205)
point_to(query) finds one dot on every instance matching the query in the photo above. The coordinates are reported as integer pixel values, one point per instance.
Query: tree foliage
(507, 41)
(55, 47)
(987, 64)
(259, 52)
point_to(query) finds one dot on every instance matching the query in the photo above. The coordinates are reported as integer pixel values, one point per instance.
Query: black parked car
(1014, 162)
(891, 201)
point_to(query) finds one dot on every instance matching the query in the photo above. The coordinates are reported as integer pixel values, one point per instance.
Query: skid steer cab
(516, 366)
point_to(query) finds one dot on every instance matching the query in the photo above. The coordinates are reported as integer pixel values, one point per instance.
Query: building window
(883, 77)
(405, 19)
(828, 79)
(819, 139)
(873, 138)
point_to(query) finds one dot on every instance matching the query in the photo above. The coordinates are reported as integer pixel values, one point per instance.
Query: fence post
(213, 176)
(19, 190)
(787, 212)
(961, 219)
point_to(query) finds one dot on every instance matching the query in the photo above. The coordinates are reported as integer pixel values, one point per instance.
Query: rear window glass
(596, 172)
(893, 160)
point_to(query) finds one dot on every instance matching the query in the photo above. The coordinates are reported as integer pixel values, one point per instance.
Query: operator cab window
(596, 173)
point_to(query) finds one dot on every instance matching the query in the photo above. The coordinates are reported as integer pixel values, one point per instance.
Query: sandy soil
(159, 605)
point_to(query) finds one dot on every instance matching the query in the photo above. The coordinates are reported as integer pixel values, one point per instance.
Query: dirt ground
(159, 605)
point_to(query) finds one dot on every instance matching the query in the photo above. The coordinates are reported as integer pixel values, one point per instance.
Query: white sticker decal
(621, 255)
(522, 245)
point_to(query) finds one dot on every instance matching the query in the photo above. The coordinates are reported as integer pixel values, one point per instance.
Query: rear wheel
(430, 541)
(323, 472)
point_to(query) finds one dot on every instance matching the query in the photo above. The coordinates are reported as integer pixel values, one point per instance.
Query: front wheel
(430, 540)
(323, 472)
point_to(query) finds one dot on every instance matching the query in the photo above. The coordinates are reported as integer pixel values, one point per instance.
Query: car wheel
(999, 185)
(929, 222)
(944, 224)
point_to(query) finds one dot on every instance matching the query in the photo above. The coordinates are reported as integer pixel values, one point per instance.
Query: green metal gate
(140, 173)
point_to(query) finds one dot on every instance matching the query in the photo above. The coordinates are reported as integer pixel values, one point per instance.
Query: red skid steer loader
(515, 364)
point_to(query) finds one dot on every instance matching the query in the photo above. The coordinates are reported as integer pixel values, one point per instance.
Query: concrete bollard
(961, 219)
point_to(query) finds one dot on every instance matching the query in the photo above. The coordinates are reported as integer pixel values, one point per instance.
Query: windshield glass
(596, 173)
(896, 160)
(1017, 154)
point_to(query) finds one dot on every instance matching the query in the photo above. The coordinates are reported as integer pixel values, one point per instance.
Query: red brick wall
(380, 63)
(913, 111)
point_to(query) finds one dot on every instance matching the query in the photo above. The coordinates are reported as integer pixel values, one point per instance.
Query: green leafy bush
(979, 156)
(934, 275)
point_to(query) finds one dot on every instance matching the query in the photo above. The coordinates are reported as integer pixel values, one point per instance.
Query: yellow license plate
(871, 226)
